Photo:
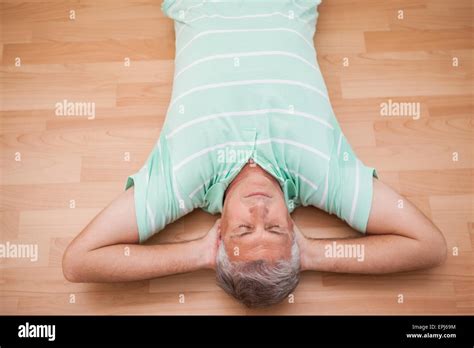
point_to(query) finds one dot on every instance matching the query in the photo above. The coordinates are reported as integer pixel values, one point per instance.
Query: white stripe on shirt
(209, 149)
(245, 54)
(309, 182)
(247, 82)
(261, 112)
(208, 32)
(239, 17)
(294, 143)
(247, 143)
(339, 145)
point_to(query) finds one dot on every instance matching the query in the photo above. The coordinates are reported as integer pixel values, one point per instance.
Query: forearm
(400, 238)
(375, 254)
(130, 262)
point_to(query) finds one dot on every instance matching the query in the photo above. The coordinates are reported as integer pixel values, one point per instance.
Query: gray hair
(258, 283)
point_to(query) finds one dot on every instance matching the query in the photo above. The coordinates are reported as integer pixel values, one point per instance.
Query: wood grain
(64, 159)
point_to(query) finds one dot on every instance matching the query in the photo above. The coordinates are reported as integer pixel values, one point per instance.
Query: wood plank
(408, 60)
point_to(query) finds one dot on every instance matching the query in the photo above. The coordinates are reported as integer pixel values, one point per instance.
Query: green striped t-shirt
(247, 85)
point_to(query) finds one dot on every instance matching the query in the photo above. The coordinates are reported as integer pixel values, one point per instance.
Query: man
(250, 133)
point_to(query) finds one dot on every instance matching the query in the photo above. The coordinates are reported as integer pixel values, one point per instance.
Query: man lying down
(250, 134)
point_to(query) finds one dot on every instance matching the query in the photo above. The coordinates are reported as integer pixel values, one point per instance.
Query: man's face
(255, 222)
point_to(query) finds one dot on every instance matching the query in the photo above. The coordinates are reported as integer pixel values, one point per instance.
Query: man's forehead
(245, 250)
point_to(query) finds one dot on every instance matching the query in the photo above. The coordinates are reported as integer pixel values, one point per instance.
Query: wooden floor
(72, 167)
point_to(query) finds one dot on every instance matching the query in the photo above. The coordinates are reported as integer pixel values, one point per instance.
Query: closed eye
(271, 229)
(249, 230)
(246, 227)
(243, 234)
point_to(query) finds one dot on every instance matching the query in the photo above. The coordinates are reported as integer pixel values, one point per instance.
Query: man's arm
(398, 239)
(107, 251)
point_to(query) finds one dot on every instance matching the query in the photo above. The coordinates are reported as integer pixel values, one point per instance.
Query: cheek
(233, 250)
(282, 208)
(232, 208)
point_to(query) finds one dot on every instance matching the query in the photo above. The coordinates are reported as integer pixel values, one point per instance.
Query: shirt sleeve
(165, 5)
(350, 186)
(156, 204)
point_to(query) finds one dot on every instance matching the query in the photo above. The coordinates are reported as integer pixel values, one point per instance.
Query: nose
(258, 207)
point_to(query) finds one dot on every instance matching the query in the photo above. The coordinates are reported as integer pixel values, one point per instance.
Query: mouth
(258, 194)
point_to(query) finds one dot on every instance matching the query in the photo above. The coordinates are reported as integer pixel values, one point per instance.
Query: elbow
(436, 251)
(442, 253)
(71, 266)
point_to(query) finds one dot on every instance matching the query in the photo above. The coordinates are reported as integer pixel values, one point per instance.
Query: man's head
(258, 259)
